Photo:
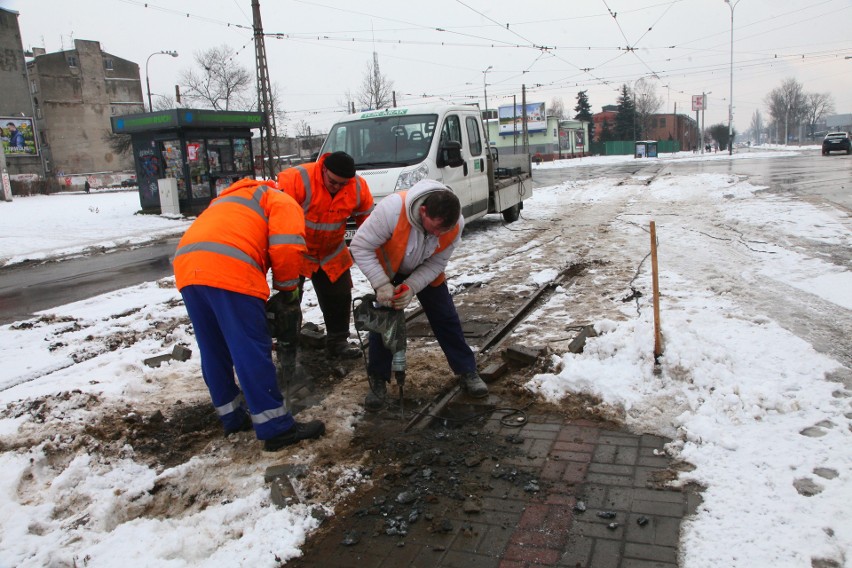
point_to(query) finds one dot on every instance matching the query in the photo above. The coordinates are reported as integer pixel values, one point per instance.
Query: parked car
(835, 142)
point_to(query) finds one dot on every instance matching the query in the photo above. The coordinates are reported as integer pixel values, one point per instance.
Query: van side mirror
(449, 154)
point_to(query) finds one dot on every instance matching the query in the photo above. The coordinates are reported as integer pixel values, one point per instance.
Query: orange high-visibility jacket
(391, 253)
(249, 228)
(325, 216)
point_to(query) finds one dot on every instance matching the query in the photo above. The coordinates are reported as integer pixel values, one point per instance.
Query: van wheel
(512, 214)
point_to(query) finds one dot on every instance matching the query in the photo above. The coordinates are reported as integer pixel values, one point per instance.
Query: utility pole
(268, 133)
(524, 134)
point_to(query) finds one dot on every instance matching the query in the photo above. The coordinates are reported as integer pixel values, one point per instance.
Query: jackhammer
(390, 325)
(284, 321)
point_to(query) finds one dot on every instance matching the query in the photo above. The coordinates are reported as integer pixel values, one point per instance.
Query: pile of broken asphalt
(486, 486)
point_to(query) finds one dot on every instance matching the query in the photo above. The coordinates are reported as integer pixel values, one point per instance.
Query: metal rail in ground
(423, 417)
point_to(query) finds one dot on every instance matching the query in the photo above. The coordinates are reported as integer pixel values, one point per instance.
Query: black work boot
(473, 385)
(300, 431)
(341, 349)
(375, 399)
(243, 424)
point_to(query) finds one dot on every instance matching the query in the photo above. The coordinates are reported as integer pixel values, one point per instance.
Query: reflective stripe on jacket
(250, 228)
(326, 215)
(390, 254)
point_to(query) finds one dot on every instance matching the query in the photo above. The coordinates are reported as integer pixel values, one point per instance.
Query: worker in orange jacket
(329, 192)
(220, 269)
(403, 250)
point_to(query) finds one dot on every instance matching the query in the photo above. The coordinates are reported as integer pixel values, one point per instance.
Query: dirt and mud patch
(424, 484)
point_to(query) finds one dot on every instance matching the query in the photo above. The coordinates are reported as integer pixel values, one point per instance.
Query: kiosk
(645, 149)
(204, 151)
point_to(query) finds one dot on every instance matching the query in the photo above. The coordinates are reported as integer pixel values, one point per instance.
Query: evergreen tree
(583, 108)
(625, 121)
(606, 134)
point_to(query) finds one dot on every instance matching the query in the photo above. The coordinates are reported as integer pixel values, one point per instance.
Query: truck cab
(395, 148)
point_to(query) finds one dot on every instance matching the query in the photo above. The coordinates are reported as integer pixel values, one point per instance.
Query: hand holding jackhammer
(402, 296)
(396, 297)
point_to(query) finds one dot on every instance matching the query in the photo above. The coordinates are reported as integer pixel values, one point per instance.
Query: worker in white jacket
(403, 249)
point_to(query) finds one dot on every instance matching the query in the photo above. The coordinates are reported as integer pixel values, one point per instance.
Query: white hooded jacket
(419, 262)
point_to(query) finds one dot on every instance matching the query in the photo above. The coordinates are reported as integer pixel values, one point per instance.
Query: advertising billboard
(511, 118)
(18, 136)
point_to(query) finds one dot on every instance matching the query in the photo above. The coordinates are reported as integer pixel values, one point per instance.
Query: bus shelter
(204, 151)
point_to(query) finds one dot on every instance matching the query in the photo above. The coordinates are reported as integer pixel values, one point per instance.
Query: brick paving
(579, 465)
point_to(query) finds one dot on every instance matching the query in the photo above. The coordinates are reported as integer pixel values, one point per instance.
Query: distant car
(835, 142)
(128, 183)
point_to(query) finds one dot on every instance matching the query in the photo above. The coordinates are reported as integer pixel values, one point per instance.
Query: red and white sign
(699, 102)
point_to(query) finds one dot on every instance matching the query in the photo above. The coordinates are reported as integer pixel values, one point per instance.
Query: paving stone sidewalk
(601, 505)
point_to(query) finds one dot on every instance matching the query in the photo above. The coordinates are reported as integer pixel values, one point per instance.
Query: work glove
(288, 296)
(402, 296)
(284, 316)
(384, 295)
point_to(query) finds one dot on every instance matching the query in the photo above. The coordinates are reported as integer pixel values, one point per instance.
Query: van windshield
(384, 141)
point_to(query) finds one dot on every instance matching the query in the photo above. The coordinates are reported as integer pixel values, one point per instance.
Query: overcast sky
(441, 48)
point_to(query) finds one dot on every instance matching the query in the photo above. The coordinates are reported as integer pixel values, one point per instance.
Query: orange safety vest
(325, 216)
(249, 228)
(391, 253)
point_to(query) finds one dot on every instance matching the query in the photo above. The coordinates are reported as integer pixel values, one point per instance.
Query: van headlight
(409, 178)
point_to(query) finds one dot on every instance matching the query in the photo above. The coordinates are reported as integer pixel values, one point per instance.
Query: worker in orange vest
(220, 265)
(403, 249)
(329, 192)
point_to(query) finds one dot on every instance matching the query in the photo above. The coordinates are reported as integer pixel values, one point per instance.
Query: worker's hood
(417, 195)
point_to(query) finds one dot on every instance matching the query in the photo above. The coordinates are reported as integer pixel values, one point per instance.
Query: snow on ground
(746, 401)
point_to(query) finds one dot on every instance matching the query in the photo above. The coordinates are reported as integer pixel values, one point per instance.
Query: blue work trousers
(231, 332)
(438, 306)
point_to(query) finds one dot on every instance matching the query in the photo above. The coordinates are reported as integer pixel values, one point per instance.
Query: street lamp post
(703, 108)
(485, 89)
(147, 77)
(731, 5)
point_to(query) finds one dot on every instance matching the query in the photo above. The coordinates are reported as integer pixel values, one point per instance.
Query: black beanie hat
(340, 164)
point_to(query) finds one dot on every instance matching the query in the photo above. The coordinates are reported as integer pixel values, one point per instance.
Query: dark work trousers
(230, 329)
(335, 302)
(443, 318)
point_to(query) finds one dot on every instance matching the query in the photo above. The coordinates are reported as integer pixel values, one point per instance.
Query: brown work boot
(473, 385)
(300, 431)
(375, 399)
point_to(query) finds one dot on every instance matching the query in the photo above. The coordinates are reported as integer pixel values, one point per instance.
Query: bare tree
(556, 108)
(817, 105)
(220, 82)
(376, 89)
(646, 102)
(163, 102)
(120, 144)
(787, 105)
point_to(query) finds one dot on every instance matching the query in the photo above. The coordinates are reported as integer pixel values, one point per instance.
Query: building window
(43, 138)
(38, 112)
(108, 64)
(33, 86)
(662, 122)
(72, 61)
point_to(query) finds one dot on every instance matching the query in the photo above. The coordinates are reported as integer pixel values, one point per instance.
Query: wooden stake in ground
(658, 343)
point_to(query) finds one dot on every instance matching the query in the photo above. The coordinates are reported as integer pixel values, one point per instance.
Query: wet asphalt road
(25, 290)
